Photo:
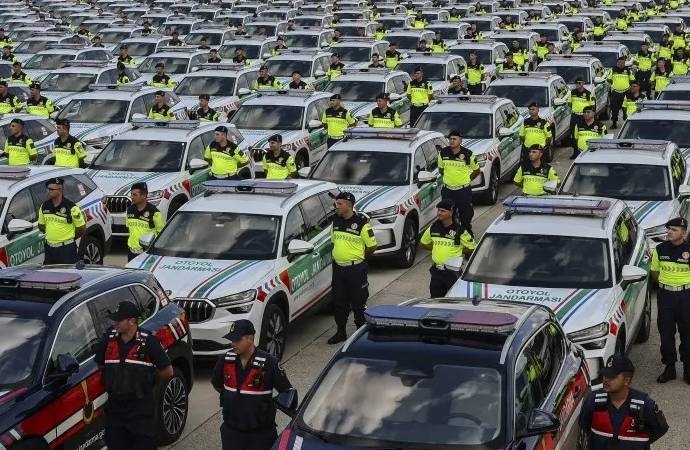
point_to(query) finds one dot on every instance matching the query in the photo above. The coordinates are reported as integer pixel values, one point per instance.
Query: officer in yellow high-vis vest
(68, 150)
(63, 223)
(579, 99)
(534, 172)
(458, 167)
(588, 128)
(336, 119)
(632, 97)
(142, 218)
(620, 78)
(383, 116)
(225, 156)
(160, 110)
(279, 164)
(37, 104)
(392, 56)
(534, 130)
(420, 92)
(475, 74)
(9, 103)
(19, 148)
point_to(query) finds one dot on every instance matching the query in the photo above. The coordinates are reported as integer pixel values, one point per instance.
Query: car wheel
(273, 328)
(91, 250)
(620, 342)
(646, 324)
(174, 206)
(171, 409)
(301, 160)
(490, 197)
(408, 245)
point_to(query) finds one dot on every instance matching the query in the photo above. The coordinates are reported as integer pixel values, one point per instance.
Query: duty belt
(59, 244)
(349, 263)
(226, 175)
(420, 104)
(456, 188)
(443, 267)
(136, 251)
(667, 287)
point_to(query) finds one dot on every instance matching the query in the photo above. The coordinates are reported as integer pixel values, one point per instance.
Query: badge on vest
(686, 255)
(353, 226)
(257, 381)
(63, 210)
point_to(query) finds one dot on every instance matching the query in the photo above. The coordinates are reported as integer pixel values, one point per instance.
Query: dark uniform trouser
(124, 432)
(350, 291)
(415, 112)
(332, 140)
(65, 254)
(574, 120)
(247, 440)
(617, 105)
(475, 89)
(441, 281)
(642, 77)
(462, 200)
(674, 313)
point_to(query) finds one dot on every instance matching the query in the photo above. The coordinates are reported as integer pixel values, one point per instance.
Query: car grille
(258, 154)
(117, 205)
(198, 310)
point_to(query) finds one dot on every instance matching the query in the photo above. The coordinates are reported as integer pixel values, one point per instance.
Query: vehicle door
(561, 114)
(509, 147)
(402, 105)
(429, 193)
(77, 412)
(678, 176)
(318, 135)
(601, 90)
(195, 150)
(296, 269)
(629, 248)
(26, 246)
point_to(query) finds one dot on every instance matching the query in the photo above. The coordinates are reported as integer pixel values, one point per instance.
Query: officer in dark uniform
(142, 218)
(353, 241)
(446, 239)
(337, 119)
(161, 79)
(456, 87)
(68, 150)
(297, 82)
(131, 361)
(618, 416)
(175, 41)
(459, 167)
(671, 269)
(245, 378)
(204, 112)
(124, 57)
(62, 222)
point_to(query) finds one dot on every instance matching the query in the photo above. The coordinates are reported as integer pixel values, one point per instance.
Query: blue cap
(239, 329)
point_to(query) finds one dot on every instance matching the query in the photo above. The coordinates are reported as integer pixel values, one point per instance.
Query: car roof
(441, 58)
(485, 106)
(384, 144)
(286, 98)
(682, 116)
(37, 173)
(165, 133)
(355, 74)
(527, 80)
(605, 156)
(262, 204)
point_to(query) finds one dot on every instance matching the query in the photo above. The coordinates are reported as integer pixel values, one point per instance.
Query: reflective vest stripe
(601, 433)
(134, 361)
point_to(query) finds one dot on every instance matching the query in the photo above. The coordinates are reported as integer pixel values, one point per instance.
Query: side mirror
(451, 76)
(138, 116)
(17, 226)
(559, 101)
(424, 177)
(550, 186)
(684, 191)
(454, 264)
(313, 124)
(500, 60)
(244, 91)
(319, 73)
(540, 422)
(504, 132)
(145, 240)
(197, 164)
(304, 172)
(395, 96)
(599, 80)
(88, 159)
(299, 247)
(633, 274)
(287, 402)
(65, 366)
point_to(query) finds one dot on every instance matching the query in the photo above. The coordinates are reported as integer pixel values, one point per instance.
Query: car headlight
(155, 196)
(481, 159)
(286, 147)
(98, 142)
(235, 299)
(384, 212)
(597, 331)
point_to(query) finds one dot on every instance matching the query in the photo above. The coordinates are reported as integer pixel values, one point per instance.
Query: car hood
(478, 146)
(85, 131)
(113, 182)
(60, 98)
(575, 308)
(359, 109)
(259, 138)
(653, 213)
(203, 278)
(371, 198)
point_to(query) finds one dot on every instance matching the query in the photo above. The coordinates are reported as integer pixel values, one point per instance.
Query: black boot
(668, 374)
(686, 372)
(614, 125)
(339, 336)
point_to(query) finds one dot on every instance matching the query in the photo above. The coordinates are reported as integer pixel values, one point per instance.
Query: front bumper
(388, 235)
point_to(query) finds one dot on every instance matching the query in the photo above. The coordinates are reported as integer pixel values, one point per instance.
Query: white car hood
(118, 182)
(203, 278)
(371, 198)
(85, 131)
(653, 213)
(359, 109)
(478, 146)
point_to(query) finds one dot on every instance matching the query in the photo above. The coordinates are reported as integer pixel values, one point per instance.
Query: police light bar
(39, 279)
(377, 70)
(551, 57)
(439, 319)
(557, 205)
(86, 63)
(300, 51)
(356, 39)
(526, 74)
(14, 172)
(289, 92)
(600, 44)
(213, 26)
(172, 124)
(66, 46)
(430, 53)
(467, 98)
(477, 41)
(675, 105)
(649, 145)
(381, 133)
(221, 66)
(175, 49)
(249, 187)
(115, 87)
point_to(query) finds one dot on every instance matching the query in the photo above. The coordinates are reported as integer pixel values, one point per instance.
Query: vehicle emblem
(63, 210)
(462, 157)
(451, 233)
(146, 213)
(353, 226)
(686, 255)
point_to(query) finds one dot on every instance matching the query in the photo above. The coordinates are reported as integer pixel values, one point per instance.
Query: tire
(490, 196)
(172, 406)
(31, 444)
(91, 250)
(646, 326)
(405, 257)
(174, 206)
(301, 159)
(273, 327)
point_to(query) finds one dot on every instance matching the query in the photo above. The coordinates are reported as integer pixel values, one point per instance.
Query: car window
(108, 77)
(547, 349)
(312, 113)
(197, 60)
(77, 336)
(399, 85)
(38, 130)
(315, 217)
(623, 243)
(500, 118)
(146, 301)
(327, 202)
(294, 227)
(105, 304)
(431, 151)
(94, 55)
(196, 149)
(75, 189)
(419, 161)
(529, 392)
(22, 207)
(512, 115)
(678, 170)
(139, 107)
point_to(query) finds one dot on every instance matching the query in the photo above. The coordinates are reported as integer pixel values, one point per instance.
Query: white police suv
(585, 258)
(257, 250)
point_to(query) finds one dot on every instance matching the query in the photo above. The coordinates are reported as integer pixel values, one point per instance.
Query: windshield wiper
(311, 432)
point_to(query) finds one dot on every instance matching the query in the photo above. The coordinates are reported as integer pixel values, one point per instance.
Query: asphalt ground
(307, 351)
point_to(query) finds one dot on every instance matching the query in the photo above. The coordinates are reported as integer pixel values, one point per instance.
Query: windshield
(483, 25)
(285, 67)
(470, 125)
(633, 45)
(412, 401)
(508, 40)
(216, 235)
(405, 42)
(20, 341)
(308, 21)
(220, 86)
(211, 39)
(141, 48)
(32, 46)
(677, 131)
(569, 73)
(355, 91)
(354, 54)
(608, 59)
(97, 110)
(446, 32)
(432, 72)
(114, 37)
(301, 40)
(522, 96)
(540, 261)
(5, 71)
(352, 31)
(391, 23)
(674, 95)
(68, 82)
(550, 33)
(620, 181)
(182, 28)
(172, 65)
(260, 30)
(48, 61)
(364, 168)
(268, 117)
(483, 56)
(141, 156)
(250, 51)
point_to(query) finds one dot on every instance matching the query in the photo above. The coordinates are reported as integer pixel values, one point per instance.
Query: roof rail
(65, 46)
(221, 66)
(674, 105)
(647, 145)
(288, 92)
(526, 74)
(116, 87)
(39, 279)
(14, 172)
(249, 187)
(171, 124)
(466, 98)
(87, 63)
(406, 134)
